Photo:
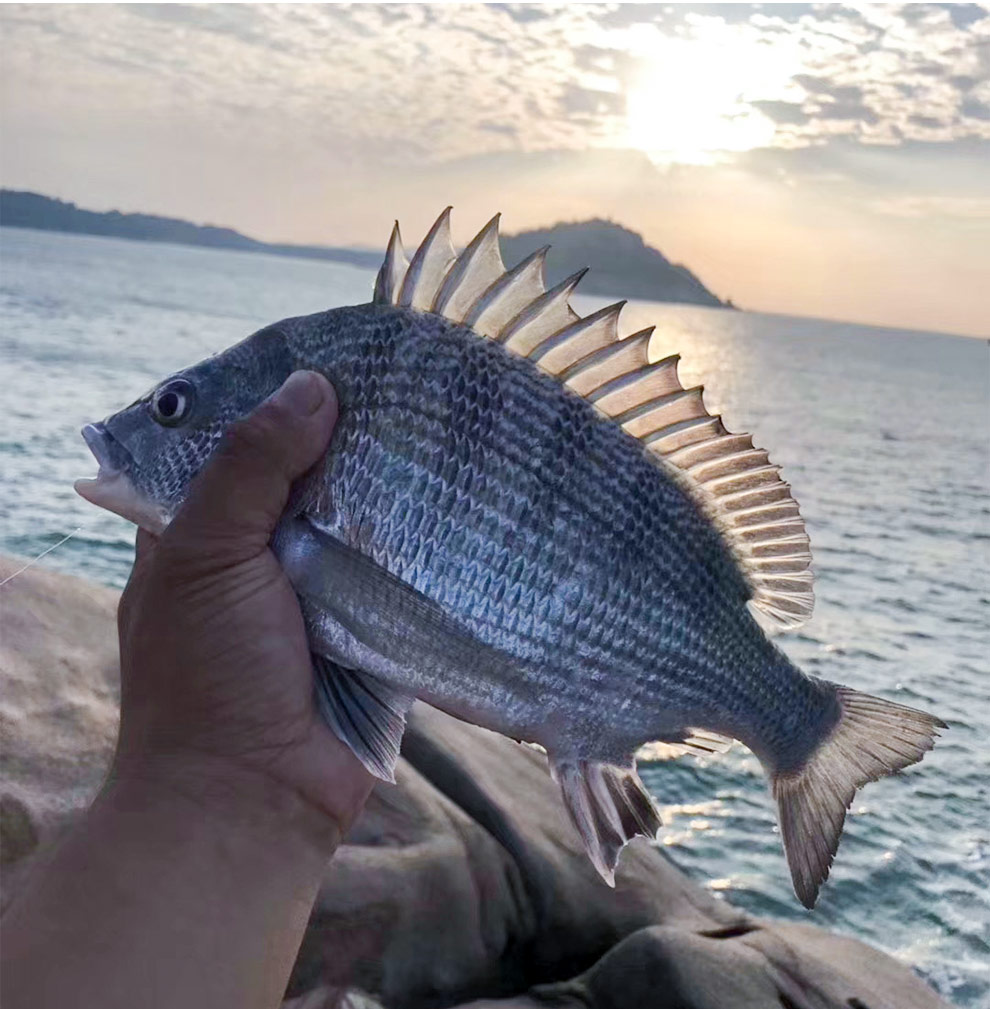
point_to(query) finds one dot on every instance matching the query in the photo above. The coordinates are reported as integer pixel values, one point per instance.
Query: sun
(688, 100)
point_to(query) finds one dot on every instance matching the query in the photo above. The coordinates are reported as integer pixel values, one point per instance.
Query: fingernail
(302, 393)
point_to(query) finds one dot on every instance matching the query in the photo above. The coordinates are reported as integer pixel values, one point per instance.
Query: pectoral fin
(381, 623)
(365, 713)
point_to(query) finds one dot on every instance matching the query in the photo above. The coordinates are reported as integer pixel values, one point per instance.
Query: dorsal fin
(735, 481)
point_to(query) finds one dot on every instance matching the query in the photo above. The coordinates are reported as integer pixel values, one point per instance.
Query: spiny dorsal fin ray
(429, 266)
(509, 296)
(600, 367)
(646, 385)
(475, 270)
(653, 418)
(582, 337)
(392, 272)
(710, 448)
(548, 314)
(735, 480)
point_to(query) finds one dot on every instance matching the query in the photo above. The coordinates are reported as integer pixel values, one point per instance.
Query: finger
(144, 545)
(235, 503)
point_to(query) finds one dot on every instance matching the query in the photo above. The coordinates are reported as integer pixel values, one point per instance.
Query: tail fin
(872, 738)
(609, 806)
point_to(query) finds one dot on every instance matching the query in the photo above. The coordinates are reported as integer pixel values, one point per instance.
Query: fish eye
(173, 402)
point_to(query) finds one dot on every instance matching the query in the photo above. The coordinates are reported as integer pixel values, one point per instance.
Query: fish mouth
(113, 489)
(99, 441)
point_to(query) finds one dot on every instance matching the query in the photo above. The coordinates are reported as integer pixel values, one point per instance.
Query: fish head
(149, 452)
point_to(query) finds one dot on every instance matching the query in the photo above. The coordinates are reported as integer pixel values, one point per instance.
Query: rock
(760, 966)
(18, 834)
(326, 997)
(791, 966)
(462, 881)
(58, 705)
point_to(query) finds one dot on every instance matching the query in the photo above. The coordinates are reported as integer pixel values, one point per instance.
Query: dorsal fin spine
(753, 497)
(739, 481)
(508, 296)
(764, 513)
(600, 367)
(710, 448)
(728, 465)
(473, 272)
(548, 314)
(392, 271)
(770, 531)
(572, 343)
(653, 382)
(429, 265)
(687, 432)
(622, 382)
(645, 409)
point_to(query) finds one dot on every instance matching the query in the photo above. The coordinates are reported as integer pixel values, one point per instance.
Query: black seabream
(526, 521)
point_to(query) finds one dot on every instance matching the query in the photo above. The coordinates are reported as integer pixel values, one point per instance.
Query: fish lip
(110, 455)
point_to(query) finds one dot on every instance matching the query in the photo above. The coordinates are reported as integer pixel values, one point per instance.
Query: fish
(525, 520)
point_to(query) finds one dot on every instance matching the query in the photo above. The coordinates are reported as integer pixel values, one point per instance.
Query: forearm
(188, 891)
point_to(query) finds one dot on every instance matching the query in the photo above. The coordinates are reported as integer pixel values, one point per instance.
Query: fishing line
(43, 553)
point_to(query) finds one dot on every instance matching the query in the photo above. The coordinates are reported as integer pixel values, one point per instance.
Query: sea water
(883, 435)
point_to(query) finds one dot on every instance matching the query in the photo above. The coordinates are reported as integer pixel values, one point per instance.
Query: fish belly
(363, 618)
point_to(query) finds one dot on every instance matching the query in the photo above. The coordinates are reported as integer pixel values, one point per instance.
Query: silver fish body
(528, 523)
(548, 535)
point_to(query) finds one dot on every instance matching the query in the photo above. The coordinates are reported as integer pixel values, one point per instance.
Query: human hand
(192, 875)
(216, 677)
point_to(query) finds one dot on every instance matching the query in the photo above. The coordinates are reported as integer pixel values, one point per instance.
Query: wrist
(185, 879)
(228, 798)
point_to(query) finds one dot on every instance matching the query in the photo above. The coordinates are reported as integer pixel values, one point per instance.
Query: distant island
(621, 262)
(32, 210)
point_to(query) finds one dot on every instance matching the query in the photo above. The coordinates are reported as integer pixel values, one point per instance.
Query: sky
(828, 160)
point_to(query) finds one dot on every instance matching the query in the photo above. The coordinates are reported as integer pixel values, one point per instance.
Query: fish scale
(526, 522)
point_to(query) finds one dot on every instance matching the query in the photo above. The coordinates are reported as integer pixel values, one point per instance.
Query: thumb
(235, 503)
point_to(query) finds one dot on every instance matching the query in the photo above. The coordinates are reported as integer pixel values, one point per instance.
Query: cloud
(967, 209)
(854, 109)
(975, 109)
(823, 86)
(450, 80)
(578, 101)
(783, 112)
(964, 15)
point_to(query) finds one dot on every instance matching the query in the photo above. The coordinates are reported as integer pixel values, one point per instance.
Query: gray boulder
(462, 881)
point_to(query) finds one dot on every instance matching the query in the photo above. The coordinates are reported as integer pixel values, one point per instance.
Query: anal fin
(703, 742)
(693, 742)
(608, 805)
(365, 713)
